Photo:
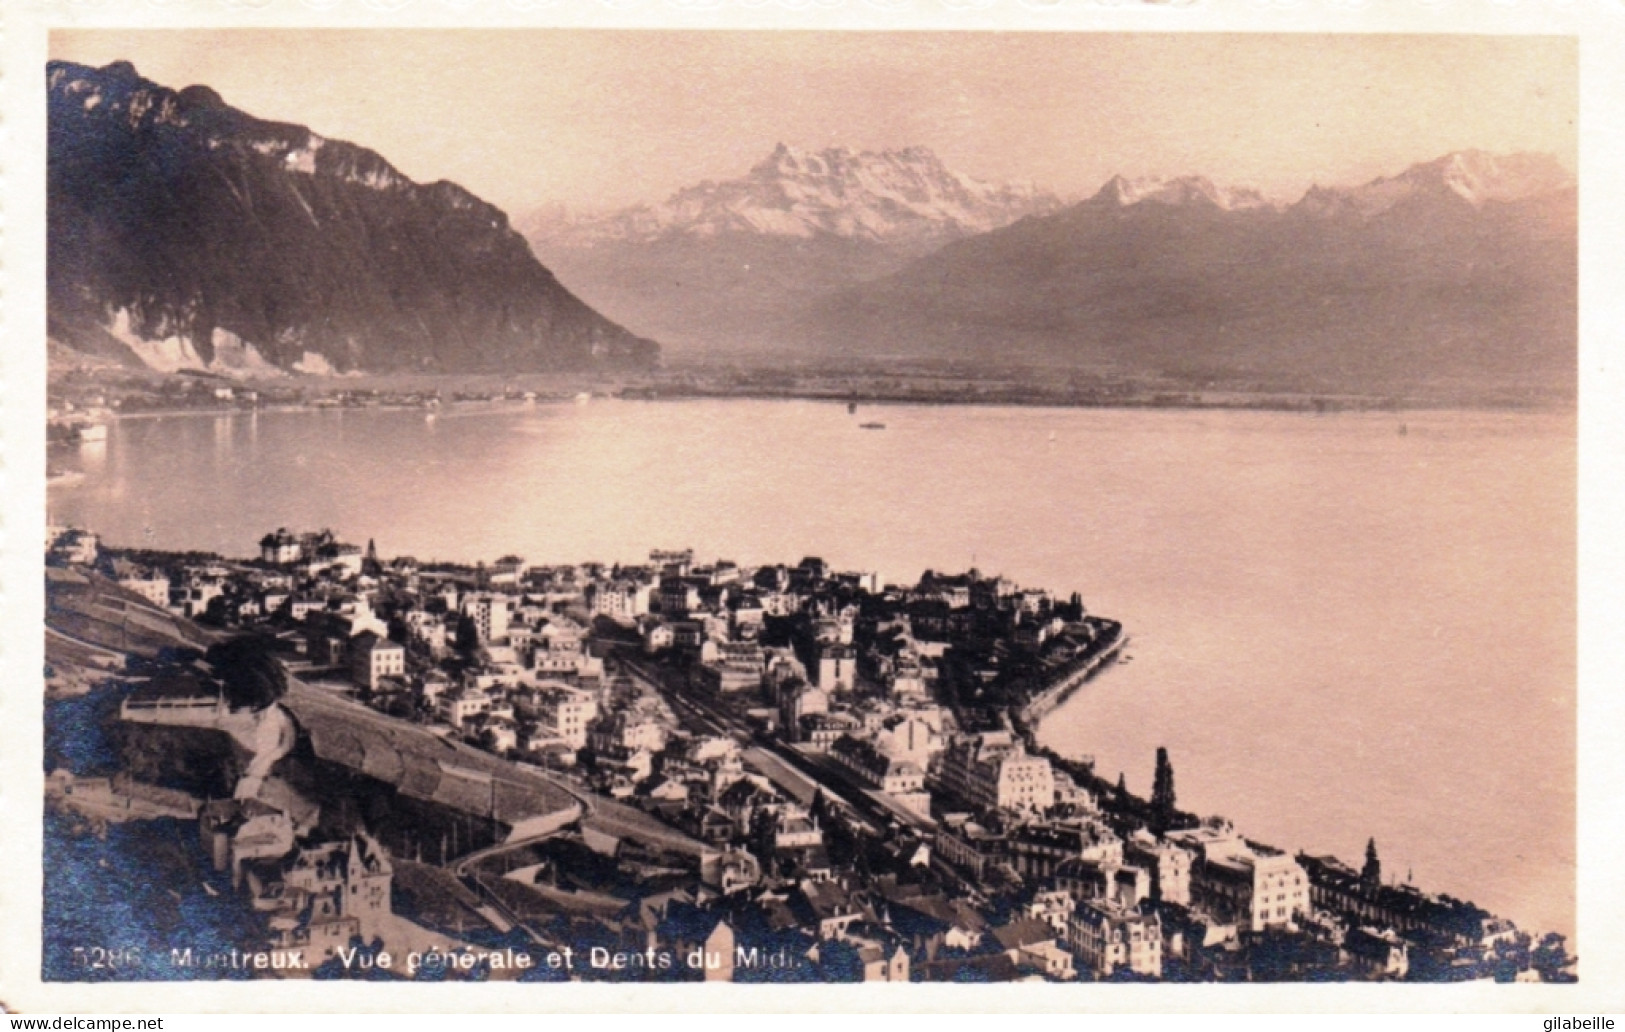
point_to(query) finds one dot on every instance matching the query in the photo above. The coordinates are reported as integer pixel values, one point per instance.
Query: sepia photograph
(668, 505)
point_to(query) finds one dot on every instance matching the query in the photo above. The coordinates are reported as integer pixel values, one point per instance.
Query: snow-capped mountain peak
(1123, 192)
(904, 197)
(1472, 176)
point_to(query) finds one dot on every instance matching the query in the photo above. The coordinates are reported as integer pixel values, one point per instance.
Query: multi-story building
(458, 706)
(969, 846)
(1244, 883)
(1378, 954)
(1037, 850)
(910, 737)
(301, 606)
(621, 600)
(490, 615)
(730, 667)
(1170, 866)
(678, 597)
(672, 562)
(373, 658)
(730, 871)
(823, 730)
(280, 546)
(901, 779)
(565, 711)
(798, 700)
(1107, 937)
(836, 668)
(881, 964)
(192, 599)
(994, 771)
(745, 617)
(354, 873)
(1336, 887)
(154, 587)
(1103, 879)
(427, 628)
(628, 733)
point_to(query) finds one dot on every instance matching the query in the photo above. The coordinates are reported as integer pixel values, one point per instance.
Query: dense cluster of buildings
(849, 754)
(317, 893)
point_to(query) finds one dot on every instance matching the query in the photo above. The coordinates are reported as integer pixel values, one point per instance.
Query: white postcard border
(1600, 941)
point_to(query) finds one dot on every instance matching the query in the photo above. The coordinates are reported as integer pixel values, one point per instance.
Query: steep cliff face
(190, 234)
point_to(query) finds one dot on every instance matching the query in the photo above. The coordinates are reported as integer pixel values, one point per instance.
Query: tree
(1162, 782)
(1371, 873)
(1552, 959)
(467, 638)
(1162, 794)
(818, 808)
(249, 671)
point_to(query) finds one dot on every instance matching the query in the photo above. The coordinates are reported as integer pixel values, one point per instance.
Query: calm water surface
(1339, 631)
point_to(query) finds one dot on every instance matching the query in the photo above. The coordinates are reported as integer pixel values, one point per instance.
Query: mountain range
(184, 233)
(720, 264)
(1457, 275)
(906, 199)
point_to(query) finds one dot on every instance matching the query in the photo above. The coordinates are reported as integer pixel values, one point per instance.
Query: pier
(1046, 701)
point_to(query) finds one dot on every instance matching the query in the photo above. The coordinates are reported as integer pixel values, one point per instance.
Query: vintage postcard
(643, 499)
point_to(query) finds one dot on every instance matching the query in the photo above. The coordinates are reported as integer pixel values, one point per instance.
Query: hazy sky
(598, 119)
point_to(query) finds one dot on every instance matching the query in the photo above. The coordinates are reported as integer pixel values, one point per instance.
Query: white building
(565, 711)
(490, 615)
(837, 668)
(154, 587)
(622, 600)
(994, 771)
(1245, 883)
(373, 658)
(459, 706)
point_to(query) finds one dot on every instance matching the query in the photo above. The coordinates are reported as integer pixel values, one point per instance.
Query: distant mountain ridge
(1475, 177)
(1457, 276)
(184, 233)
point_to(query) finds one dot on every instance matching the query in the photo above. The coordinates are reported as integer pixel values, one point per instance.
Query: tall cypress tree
(1162, 792)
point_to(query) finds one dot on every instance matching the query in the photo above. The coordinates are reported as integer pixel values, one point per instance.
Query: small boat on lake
(872, 426)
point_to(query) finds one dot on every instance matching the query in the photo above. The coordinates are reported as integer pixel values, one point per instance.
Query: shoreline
(1050, 699)
(1269, 405)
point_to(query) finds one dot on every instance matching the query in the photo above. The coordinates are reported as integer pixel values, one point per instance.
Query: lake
(1340, 630)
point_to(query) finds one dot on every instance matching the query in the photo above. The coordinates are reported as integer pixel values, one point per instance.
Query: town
(687, 769)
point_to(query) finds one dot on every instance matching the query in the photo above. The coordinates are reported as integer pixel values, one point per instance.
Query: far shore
(1022, 388)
